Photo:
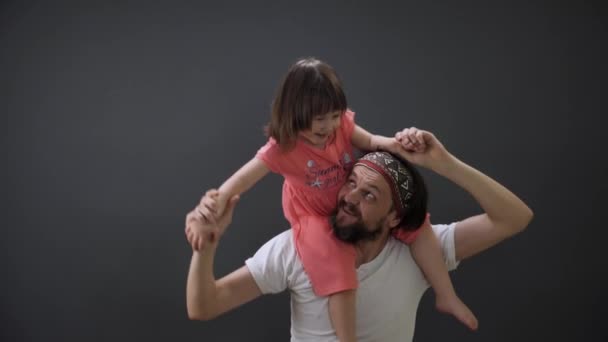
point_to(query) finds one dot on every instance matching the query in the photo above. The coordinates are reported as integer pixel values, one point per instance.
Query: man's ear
(392, 219)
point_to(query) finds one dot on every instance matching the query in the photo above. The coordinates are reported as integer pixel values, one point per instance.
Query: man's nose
(352, 197)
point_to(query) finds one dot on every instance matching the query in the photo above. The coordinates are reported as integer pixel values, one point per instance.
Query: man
(390, 283)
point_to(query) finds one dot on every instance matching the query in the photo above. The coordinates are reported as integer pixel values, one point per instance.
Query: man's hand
(422, 148)
(391, 145)
(202, 226)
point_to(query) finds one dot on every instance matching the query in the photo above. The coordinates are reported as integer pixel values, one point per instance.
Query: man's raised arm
(505, 214)
(207, 298)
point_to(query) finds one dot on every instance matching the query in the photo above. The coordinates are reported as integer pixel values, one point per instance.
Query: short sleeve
(445, 235)
(272, 263)
(347, 124)
(270, 155)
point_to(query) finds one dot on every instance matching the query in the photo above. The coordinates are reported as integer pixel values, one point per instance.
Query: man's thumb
(232, 202)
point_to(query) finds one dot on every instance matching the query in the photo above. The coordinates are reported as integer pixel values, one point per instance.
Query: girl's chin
(315, 140)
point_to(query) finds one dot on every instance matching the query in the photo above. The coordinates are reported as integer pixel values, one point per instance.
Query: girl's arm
(241, 181)
(365, 141)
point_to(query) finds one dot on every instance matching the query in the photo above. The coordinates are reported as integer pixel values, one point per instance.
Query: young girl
(311, 137)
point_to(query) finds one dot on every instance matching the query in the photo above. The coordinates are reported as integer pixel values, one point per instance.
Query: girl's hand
(391, 145)
(209, 206)
(423, 148)
(202, 230)
(199, 231)
(205, 214)
(411, 139)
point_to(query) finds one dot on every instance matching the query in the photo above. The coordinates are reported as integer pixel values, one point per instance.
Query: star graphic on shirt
(346, 158)
(317, 183)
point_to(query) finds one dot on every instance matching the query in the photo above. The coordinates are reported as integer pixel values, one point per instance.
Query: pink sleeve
(270, 155)
(347, 124)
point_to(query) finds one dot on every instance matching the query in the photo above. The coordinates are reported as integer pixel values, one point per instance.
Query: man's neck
(369, 250)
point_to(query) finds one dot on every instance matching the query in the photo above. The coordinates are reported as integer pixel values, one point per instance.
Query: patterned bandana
(396, 175)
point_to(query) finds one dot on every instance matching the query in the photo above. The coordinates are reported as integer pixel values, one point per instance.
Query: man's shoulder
(280, 246)
(274, 264)
(445, 237)
(283, 239)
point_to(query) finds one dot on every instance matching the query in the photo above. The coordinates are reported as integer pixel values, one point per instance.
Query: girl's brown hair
(310, 88)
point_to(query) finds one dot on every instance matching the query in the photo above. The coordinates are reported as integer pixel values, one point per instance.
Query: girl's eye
(319, 118)
(335, 117)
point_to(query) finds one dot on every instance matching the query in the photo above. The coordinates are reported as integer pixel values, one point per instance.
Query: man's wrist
(208, 250)
(446, 166)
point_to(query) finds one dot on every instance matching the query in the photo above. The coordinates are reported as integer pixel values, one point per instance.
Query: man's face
(364, 210)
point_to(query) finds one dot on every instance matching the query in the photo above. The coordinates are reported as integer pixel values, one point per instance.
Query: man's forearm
(501, 205)
(201, 291)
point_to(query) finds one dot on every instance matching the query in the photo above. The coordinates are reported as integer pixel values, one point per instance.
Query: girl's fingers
(212, 192)
(208, 215)
(419, 136)
(412, 135)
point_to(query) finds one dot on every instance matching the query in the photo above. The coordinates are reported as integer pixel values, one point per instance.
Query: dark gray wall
(116, 117)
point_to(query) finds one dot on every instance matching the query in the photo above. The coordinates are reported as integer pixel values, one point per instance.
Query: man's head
(382, 193)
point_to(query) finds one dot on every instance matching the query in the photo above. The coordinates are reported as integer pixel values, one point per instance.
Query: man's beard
(357, 231)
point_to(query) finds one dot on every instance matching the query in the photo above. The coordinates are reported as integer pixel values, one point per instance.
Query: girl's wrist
(380, 143)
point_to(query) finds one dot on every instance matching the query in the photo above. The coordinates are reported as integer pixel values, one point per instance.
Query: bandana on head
(395, 173)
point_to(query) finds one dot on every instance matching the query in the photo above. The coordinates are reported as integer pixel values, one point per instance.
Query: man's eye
(351, 184)
(370, 196)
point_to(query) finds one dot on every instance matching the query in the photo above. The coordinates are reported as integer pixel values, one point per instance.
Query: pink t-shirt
(313, 176)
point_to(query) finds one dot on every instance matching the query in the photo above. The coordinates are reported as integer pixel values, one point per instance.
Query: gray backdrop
(116, 117)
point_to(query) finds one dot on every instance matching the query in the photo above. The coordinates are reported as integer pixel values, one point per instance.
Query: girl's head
(309, 102)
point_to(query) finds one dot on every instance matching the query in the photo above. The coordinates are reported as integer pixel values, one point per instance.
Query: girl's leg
(342, 306)
(429, 257)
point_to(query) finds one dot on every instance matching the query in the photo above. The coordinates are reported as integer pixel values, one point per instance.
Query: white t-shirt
(390, 288)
